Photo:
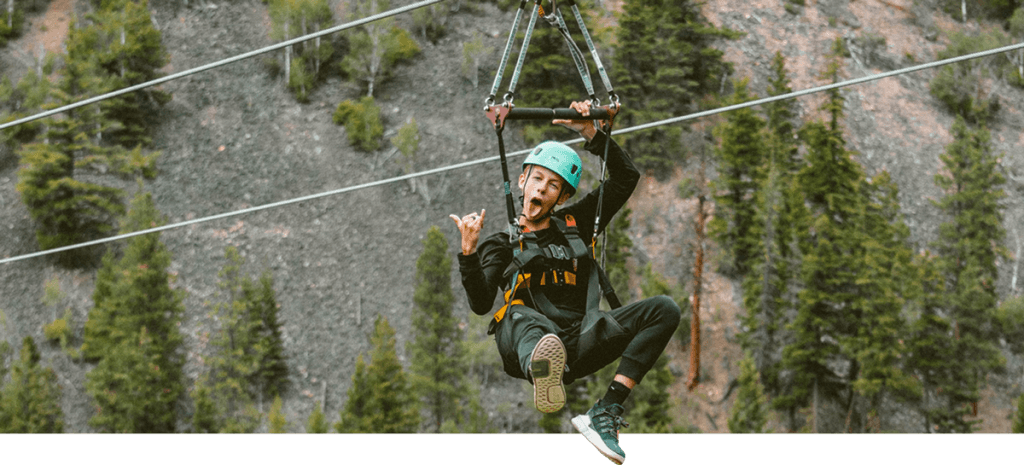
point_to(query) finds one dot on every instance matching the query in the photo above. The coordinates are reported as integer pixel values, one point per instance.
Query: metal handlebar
(554, 113)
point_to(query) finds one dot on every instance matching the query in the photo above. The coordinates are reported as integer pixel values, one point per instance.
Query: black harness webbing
(598, 284)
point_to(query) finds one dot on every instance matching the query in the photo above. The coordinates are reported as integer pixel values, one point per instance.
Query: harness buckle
(558, 252)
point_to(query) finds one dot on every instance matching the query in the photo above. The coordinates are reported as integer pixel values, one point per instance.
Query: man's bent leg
(651, 323)
(539, 355)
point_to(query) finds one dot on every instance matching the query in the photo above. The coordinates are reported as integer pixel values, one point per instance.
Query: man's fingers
(458, 221)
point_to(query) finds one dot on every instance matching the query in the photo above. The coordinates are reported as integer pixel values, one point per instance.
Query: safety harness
(528, 251)
(556, 261)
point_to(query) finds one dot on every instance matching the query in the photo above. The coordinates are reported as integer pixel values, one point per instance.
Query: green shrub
(1010, 316)
(362, 121)
(14, 30)
(58, 332)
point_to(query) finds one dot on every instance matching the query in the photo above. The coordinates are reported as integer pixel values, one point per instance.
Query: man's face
(542, 191)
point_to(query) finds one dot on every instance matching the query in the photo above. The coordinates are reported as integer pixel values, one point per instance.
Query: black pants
(649, 325)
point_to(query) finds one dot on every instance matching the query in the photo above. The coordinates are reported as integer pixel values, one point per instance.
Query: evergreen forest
(846, 262)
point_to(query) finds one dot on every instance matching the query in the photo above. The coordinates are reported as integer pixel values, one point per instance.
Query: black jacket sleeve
(622, 180)
(482, 272)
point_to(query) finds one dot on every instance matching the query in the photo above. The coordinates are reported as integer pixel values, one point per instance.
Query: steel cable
(217, 64)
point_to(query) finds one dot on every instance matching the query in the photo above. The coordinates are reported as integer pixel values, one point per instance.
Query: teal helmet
(558, 158)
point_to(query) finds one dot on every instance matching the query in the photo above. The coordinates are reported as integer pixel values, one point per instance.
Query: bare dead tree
(698, 271)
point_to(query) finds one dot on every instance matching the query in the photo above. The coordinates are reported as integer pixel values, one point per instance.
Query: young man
(550, 331)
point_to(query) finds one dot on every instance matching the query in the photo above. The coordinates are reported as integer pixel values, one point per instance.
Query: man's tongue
(535, 206)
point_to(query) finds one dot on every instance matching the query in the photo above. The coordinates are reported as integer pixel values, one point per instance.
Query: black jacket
(482, 271)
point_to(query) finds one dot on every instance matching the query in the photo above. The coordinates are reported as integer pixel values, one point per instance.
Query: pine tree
(278, 423)
(617, 254)
(741, 155)
(782, 113)
(248, 365)
(969, 245)
(831, 183)
(354, 417)
(120, 39)
(769, 291)
(21, 100)
(206, 416)
(134, 291)
(67, 211)
(664, 63)
(133, 331)
(876, 344)
(30, 400)
(381, 399)
(439, 355)
(115, 47)
(261, 299)
(932, 355)
(317, 423)
(750, 412)
(129, 389)
(1018, 419)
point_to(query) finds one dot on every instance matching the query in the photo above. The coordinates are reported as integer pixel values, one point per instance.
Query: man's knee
(666, 310)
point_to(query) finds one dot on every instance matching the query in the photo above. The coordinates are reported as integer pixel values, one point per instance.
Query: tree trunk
(316, 62)
(963, 9)
(1016, 264)
(698, 280)
(40, 60)
(924, 404)
(767, 291)
(476, 71)
(287, 56)
(123, 41)
(814, 408)
(10, 14)
(376, 56)
(99, 126)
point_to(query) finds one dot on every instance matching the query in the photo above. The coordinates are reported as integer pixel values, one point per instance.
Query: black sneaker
(601, 426)
(547, 364)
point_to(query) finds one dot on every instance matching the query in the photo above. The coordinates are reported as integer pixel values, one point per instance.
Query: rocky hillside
(234, 137)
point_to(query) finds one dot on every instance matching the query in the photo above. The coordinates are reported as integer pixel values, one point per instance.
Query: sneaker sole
(582, 424)
(547, 363)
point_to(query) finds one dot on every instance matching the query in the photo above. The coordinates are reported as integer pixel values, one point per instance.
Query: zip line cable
(521, 152)
(217, 64)
(837, 85)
